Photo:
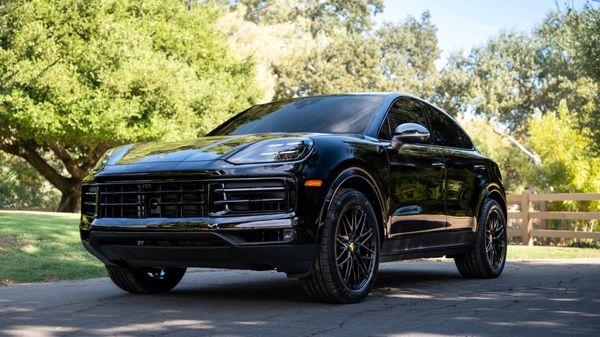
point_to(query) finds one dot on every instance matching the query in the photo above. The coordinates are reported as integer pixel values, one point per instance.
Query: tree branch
(70, 163)
(537, 161)
(28, 153)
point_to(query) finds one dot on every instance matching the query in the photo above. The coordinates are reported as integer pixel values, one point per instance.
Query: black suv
(322, 188)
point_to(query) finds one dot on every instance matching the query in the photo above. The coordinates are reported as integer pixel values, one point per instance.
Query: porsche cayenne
(322, 188)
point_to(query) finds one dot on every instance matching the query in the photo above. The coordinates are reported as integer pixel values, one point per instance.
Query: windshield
(321, 114)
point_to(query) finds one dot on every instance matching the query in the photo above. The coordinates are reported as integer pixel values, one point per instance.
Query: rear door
(465, 169)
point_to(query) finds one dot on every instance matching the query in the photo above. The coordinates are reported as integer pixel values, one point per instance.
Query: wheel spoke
(346, 224)
(366, 248)
(365, 236)
(347, 270)
(345, 260)
(362, 267)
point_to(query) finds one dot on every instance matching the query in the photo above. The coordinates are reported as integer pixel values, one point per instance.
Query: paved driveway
(410, 298)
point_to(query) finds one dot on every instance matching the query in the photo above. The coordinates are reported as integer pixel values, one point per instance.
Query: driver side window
(403, 110)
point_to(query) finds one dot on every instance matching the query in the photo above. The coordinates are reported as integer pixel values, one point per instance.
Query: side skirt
(426, 245)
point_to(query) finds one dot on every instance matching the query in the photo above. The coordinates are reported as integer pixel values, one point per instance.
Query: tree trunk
(70, 200)
(70, 187)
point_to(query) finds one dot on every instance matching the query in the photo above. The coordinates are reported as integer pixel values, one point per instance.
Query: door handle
(479, 168)
(438, 165)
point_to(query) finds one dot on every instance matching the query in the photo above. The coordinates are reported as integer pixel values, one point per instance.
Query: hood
(201, 149)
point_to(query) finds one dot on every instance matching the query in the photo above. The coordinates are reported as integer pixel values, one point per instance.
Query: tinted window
(327, 114)
(385, 132)
(404, 110)
(444, 131)
(466, 141)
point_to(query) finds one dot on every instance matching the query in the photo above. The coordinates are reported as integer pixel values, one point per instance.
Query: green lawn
(517, 252)
(37, 246)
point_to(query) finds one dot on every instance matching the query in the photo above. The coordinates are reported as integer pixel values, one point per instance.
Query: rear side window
(466, 141)
(404, 110)
(444, 131)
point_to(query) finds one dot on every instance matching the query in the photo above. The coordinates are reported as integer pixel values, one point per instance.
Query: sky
(469, 23)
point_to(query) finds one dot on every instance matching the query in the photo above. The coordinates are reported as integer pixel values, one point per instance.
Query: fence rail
(526, 215)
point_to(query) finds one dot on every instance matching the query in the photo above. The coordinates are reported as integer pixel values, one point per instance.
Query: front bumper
(200, 243)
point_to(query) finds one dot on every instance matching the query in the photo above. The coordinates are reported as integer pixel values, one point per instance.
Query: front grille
(172, 199)
(248, 197)
(88, 200)
(186, 198)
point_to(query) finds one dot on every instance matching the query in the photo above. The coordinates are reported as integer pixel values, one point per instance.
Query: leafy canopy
(78, 77)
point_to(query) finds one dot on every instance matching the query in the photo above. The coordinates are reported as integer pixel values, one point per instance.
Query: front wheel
(488, 256)
(348, 260)
(146, 280)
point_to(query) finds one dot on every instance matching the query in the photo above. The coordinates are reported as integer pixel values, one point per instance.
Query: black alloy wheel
(355, 248)
(495, 239)
(348, 260)
(487, 258)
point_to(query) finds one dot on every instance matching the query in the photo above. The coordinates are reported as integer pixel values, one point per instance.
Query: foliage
(516, 73)
(315, 16)
(38, 246)
(330, 47)
(79, 77)
(22, 186)
(567, 165)
(408, 52)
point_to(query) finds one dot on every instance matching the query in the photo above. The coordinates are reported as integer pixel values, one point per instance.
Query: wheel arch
(356, 175)
(495, 192)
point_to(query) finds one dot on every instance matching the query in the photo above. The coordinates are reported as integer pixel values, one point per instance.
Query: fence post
(527, 223)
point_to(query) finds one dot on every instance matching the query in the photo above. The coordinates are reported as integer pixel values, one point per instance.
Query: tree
(22, 186)
(567, 164)
(318, 17)
(345, 63)
(409, 50)
(320, 47)
(78, 77)
(516, 73)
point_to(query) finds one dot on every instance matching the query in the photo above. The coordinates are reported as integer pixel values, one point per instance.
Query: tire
(477, 263)
(146, 280)
(354, 243)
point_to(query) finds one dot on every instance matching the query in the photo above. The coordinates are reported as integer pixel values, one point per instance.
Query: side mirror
(409, 133)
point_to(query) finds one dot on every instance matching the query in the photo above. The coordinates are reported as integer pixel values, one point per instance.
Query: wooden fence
(526, 215)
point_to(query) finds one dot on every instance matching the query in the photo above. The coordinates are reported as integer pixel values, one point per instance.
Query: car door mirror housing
(409, 133)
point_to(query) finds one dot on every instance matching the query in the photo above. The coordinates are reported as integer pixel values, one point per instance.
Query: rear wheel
(146, 280)
(348, 260)
(488, 256)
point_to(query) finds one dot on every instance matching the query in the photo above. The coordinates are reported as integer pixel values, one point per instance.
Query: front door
(416, 185)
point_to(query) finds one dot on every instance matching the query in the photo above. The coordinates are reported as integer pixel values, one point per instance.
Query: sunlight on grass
(38, 246)
(517, 252)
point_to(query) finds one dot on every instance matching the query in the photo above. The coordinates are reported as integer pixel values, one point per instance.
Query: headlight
(273, 150)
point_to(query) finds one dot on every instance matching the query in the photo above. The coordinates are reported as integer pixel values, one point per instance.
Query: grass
(518, 252)
(38, 247)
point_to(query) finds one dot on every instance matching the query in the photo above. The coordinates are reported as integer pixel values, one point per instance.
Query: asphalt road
(410, 298)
